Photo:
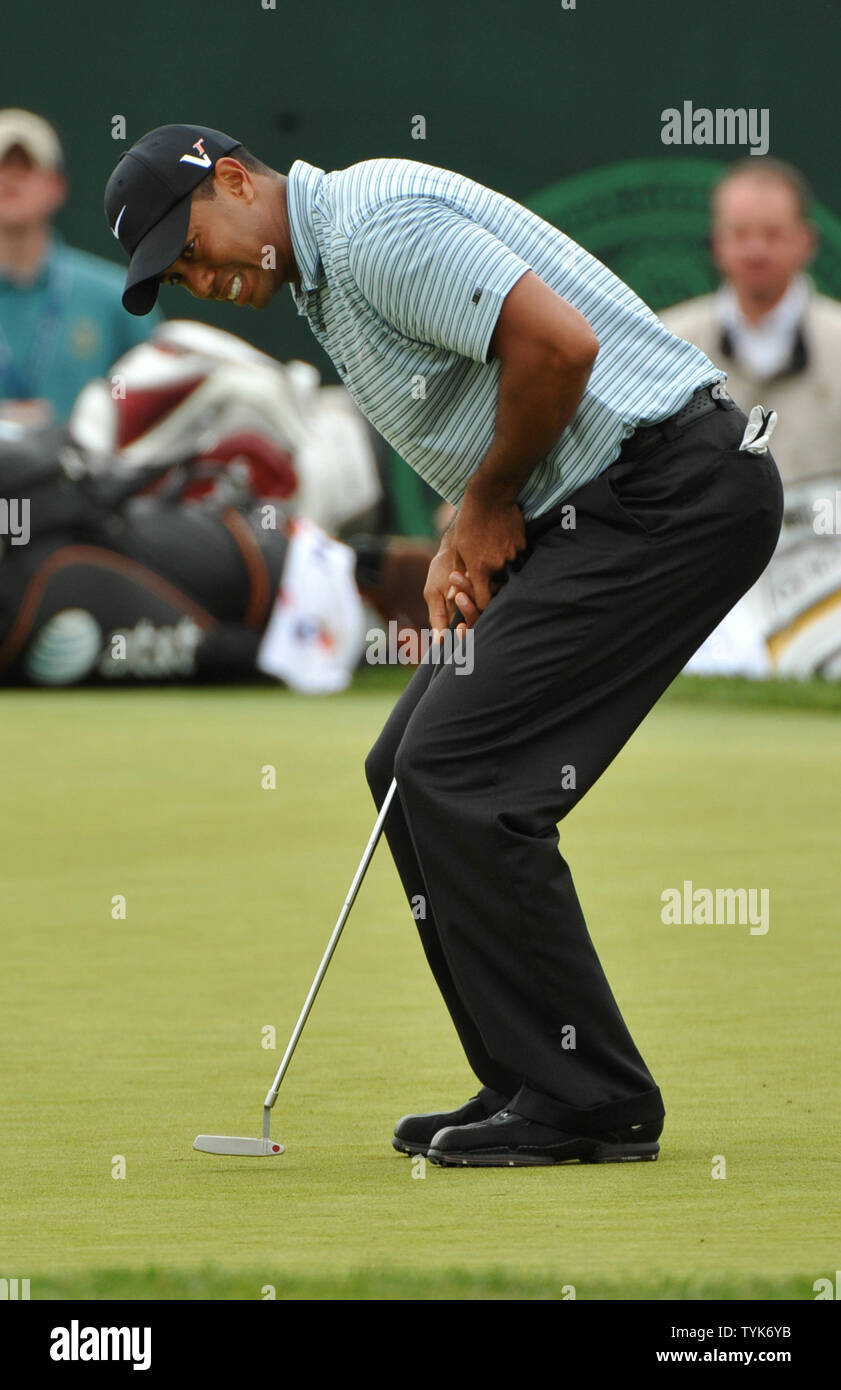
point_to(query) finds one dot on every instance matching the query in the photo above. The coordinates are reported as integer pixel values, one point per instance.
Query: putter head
(234, 1145)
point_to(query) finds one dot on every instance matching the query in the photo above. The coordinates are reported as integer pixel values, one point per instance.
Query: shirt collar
(765, 347)
(783, 318)
(302, 184)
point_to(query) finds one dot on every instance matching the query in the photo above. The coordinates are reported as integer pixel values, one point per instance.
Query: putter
(264, 1147)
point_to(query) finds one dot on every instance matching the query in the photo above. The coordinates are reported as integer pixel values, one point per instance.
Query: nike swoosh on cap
(115, 230)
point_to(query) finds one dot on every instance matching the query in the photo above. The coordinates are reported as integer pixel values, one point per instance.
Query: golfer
(612, 505)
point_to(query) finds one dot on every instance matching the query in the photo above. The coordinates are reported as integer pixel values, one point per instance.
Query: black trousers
(568, 658)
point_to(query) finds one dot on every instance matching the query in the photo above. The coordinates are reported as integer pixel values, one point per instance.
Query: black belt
(702, 402)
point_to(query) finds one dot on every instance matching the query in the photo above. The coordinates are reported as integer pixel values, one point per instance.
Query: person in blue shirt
(61, 317)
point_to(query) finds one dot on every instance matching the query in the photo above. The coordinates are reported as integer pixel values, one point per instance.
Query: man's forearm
(546, 350)
(536, 399)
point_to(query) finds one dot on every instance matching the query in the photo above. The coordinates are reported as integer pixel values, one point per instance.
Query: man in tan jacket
(778, 339)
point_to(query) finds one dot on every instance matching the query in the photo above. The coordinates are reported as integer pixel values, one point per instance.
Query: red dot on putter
(275, 1148)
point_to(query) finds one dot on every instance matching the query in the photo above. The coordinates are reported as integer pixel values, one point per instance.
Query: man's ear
(233, 178)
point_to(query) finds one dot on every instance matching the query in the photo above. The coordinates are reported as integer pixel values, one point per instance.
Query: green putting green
(124, 1037)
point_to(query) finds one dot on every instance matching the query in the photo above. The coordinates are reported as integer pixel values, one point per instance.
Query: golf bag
(97, 583)
(199, 406)
(102, 580)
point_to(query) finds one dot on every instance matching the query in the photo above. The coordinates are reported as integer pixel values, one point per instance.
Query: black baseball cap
(147, 201)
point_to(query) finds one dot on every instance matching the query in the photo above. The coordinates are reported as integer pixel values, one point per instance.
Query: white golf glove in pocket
(761, 425)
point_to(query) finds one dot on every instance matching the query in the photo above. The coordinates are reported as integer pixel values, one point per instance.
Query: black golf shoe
(508, 1140)
(413, 1134)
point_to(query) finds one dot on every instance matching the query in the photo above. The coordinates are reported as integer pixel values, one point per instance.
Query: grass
(126, 1037)
(813, 694)
(211, 1283)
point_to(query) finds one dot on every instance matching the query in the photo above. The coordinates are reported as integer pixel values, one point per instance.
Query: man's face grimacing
(228, 239)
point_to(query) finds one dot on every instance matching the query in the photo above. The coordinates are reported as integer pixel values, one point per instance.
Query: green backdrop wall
(518, 96)
(540, 99)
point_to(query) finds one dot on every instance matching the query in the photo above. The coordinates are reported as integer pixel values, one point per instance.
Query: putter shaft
(271, 1096)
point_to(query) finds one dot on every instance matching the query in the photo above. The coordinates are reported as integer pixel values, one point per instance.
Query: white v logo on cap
(115, 230)
(202, 158)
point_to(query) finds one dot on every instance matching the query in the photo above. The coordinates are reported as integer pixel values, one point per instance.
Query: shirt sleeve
(434, 273)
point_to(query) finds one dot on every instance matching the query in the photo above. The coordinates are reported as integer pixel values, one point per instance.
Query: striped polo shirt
(403, 270)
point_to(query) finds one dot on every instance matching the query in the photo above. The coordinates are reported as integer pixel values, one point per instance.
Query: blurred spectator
(61, 316)
(778, 339)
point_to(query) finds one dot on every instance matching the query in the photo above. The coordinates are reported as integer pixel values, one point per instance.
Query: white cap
(35, 135)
